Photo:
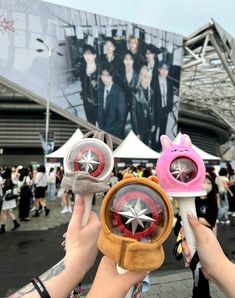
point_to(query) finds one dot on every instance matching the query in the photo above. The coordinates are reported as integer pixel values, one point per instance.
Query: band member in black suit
(164, 95)
(130, 80)
(112, 105)
(88, 74)
(133, 46)
(112, 58)
(142, 112)
(152, 62)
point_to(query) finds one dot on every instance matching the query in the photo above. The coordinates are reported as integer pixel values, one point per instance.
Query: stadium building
(205, 100)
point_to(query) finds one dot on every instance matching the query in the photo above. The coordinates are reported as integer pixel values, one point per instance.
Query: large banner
(114, 74)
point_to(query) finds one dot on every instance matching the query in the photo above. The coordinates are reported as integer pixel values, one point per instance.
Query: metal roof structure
(208, 74)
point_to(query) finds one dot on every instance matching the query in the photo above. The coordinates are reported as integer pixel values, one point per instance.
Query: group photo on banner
(116, 75)
(127, 84)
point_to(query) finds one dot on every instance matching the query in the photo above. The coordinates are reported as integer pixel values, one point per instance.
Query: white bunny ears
(184, 140)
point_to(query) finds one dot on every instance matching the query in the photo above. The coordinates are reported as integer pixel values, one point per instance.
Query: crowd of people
(29, 188)
(81, 246)
(26, 189)
(132, 87)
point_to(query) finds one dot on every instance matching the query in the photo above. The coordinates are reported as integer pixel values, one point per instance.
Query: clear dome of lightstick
(91, 156)
(137, 211)
(183, 169)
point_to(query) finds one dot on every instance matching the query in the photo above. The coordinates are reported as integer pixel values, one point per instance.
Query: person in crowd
(113, 178)
(88, 74)
(30, 182)
(81, 251)
(142, 112)
(15, 174)
(211, 171)
(25, 192)
(222, 184)
(231, 185)
(147, 172)
(67, 201)
(8, 205)
(140, 171)
(120, 174)
(59, 177)
(129, 83)
(51, 182)
(1, 191)
(133, 46)
(112, 104)
(163, 93)
(207, 210)
(40, 184)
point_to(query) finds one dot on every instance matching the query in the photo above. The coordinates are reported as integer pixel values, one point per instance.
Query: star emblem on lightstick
(136, 216)
(87, 161)
(180, 171)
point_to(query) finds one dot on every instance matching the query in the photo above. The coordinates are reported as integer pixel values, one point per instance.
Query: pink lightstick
(93, 157)
(181, 173)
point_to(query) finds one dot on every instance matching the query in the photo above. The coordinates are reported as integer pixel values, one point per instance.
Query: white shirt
(163, 88)
(106, 92)
(221, 181)
(40, 179)
(1, 185)
(51, 178)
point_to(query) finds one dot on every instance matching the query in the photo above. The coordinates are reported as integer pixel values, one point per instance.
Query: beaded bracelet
(39, 286)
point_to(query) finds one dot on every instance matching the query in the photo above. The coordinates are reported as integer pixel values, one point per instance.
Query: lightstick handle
(187, 205)
(120, 270)
(87, 211)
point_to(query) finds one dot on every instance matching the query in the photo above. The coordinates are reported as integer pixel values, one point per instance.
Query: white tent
(59, 153)
(204, 155)
(133, 148)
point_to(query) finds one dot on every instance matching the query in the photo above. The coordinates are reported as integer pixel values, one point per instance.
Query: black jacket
(112, 118)
(158, 98)
(142, 113)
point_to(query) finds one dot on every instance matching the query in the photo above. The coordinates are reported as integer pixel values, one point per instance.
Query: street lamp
(50, 50)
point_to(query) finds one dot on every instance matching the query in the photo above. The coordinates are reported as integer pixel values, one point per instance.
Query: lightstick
(93, 157)
(181, 173)
(136, 218)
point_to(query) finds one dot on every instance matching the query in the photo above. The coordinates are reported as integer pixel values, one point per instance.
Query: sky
(179, 16)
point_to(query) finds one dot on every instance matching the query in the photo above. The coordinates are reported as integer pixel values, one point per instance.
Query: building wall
(21, 121)
(20, 125)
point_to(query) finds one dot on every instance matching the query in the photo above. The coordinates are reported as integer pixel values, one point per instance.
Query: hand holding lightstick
(136, 218)
(88, 163)
(181, 173)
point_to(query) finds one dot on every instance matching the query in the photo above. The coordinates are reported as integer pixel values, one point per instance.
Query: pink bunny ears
(167, 143)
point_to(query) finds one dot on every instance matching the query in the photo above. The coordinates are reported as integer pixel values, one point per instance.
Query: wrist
(74, 270)
(222, 264)
(62, 285)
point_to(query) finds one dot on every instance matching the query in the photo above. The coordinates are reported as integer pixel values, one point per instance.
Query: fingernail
(79, 201)
(191, 215)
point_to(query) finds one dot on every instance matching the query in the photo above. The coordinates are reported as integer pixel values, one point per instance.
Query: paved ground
(35, 247)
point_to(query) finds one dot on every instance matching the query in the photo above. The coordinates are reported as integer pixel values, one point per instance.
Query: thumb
(197, 227)
(76, 219)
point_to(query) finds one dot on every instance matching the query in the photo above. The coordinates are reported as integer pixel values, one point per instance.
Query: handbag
(9, 195)
(222, 196)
